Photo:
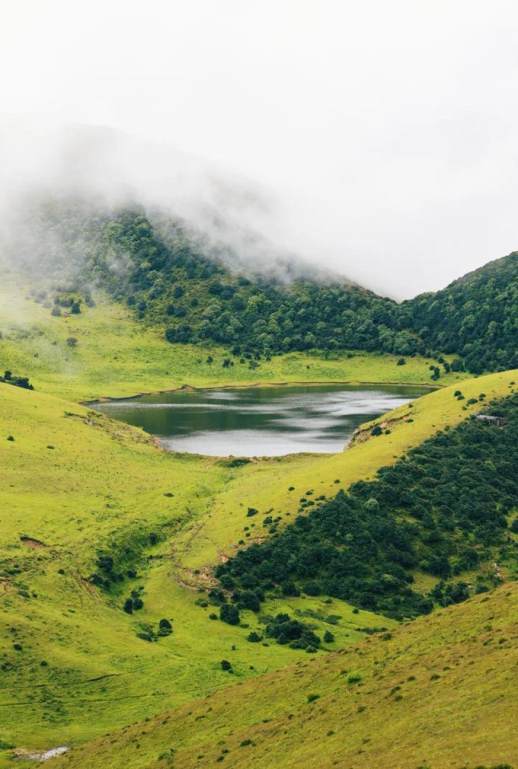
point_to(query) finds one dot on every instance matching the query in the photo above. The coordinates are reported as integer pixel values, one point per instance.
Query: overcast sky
(386, 132)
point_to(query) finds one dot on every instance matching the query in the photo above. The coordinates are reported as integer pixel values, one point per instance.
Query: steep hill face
(475, 317)
(438, 692)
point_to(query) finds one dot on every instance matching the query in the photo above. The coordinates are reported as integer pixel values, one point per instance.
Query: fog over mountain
(89, 171)
(376, 141)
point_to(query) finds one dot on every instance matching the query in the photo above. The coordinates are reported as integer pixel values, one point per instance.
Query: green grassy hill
(77, 485)
(439, 692)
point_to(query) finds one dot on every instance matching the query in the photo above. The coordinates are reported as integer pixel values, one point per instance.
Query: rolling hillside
(438, 692)
(115, 355)
(110, 610)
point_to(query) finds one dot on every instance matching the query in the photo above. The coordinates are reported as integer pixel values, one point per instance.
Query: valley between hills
(162, 609)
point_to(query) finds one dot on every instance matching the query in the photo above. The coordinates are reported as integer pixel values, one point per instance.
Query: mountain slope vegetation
(444, 509)
(438, 692)
(475, 317)
(88, 496)
(172, 276)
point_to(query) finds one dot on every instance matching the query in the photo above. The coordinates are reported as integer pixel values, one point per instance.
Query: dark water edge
(259, 421)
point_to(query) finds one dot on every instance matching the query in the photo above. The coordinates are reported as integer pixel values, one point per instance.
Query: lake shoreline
(251, 385)
(253, 421)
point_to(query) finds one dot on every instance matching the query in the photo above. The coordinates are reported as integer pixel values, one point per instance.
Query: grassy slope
(102, 478)
(441, 693)
(116, 356)
(265, 485)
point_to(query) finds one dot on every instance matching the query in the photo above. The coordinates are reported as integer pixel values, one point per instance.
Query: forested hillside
(475, 317)
(170, 276)
(171, 280)
(446, 509)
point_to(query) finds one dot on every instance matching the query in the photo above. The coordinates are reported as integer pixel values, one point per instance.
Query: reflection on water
(267, 421)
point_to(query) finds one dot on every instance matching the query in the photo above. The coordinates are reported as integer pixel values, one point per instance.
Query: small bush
(164, 627)
(5, 745)
(128, 606)
(229, 614)
(146, 633)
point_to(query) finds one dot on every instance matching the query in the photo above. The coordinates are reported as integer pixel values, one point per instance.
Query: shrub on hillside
(229, 614)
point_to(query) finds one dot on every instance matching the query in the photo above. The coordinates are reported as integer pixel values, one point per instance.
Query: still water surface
(259, 421)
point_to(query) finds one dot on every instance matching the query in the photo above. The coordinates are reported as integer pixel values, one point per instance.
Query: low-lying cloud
(376, 140)
(98, 170)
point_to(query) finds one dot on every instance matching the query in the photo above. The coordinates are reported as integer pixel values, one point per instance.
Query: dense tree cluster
(444, 509)
(293, 632)
(171, 280)
(170, 276)
(475, 317)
